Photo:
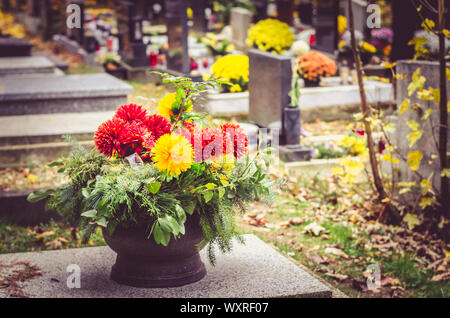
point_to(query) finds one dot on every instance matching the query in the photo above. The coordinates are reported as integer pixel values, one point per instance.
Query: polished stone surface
(61, 94)
(10, 66)
(251, 270)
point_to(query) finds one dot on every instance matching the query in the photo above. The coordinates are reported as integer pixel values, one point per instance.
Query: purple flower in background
(383, 34)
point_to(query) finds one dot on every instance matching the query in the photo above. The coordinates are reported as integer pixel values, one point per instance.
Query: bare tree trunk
(445, 195)
(393, 213)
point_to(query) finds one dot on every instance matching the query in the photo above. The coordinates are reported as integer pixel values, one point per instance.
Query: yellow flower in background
(235, 88)
(206, 76)
(342, 24)
(165, 105)
(172, 154)
(190, 13)
(367, 47)
(233, 69)
(32, 178)
(270, 35)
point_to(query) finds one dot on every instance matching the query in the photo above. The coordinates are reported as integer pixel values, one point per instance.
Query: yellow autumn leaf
(414, 136)
(428, 24)
(413, 125)
(445, 173)
(427, 114)
(426, 186)
(426, 201)
(411, 220)
(414, 159)
(446, 33)
(425, 94)
(404, 106)
(389, 158)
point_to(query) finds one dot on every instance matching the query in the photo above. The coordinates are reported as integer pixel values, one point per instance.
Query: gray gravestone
(76, 34)
(177, 31)
(285, 11)
(260, 9)
(200, 23)
(325, 23)
(61, 94)
(13, 66)
(360, 14)
(32, 16)
(270, 81)
(426, 144)
(269, 85)
(240, 23)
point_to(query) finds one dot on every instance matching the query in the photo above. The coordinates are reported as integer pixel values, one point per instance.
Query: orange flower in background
(314, 66)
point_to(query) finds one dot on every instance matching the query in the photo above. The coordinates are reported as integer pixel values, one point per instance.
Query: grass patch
(49, 236)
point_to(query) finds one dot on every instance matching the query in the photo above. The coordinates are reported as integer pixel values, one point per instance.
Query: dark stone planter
(291, 125)
(119, 72)
(309, 83)
(143, 263)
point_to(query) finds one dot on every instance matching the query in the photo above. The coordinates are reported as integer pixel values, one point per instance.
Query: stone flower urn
(141, 262)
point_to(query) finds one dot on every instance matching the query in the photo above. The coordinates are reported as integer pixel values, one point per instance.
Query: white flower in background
(300, 48)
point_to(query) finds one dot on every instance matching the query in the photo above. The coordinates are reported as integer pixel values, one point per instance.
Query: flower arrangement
(155, 170)
(300, 48)
(234, 69)
(313, 66)
(270, 35)
(109, 60)
(216, 45)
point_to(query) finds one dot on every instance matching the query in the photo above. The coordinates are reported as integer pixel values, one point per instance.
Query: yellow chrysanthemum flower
(165, 105)
(342, 24)
(172, 154)
(270, 34)
(235, 88)
(231, 67)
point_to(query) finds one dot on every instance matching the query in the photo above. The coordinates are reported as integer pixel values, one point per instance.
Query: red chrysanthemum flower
(135, 138)
(237, 141)
(131, 112)
(107, 137)
(212, 142)
(158, 125)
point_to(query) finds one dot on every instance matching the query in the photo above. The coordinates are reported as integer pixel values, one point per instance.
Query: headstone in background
(325, 23)
(51, 20)
(261, 9)
(200, 23)
(285, 10)
(270, 81)
(76, 34)
(132, 48)
(360, 15)
(32, 16)
(305, 12)
(269, 85)
(177, 31)
(240, 23)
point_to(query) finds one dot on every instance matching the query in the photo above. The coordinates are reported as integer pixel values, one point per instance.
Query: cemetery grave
(357, 167)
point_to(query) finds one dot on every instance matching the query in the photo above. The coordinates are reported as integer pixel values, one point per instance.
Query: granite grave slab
(14, 47)
(252, 270)
(13, 66)
(61, 94)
